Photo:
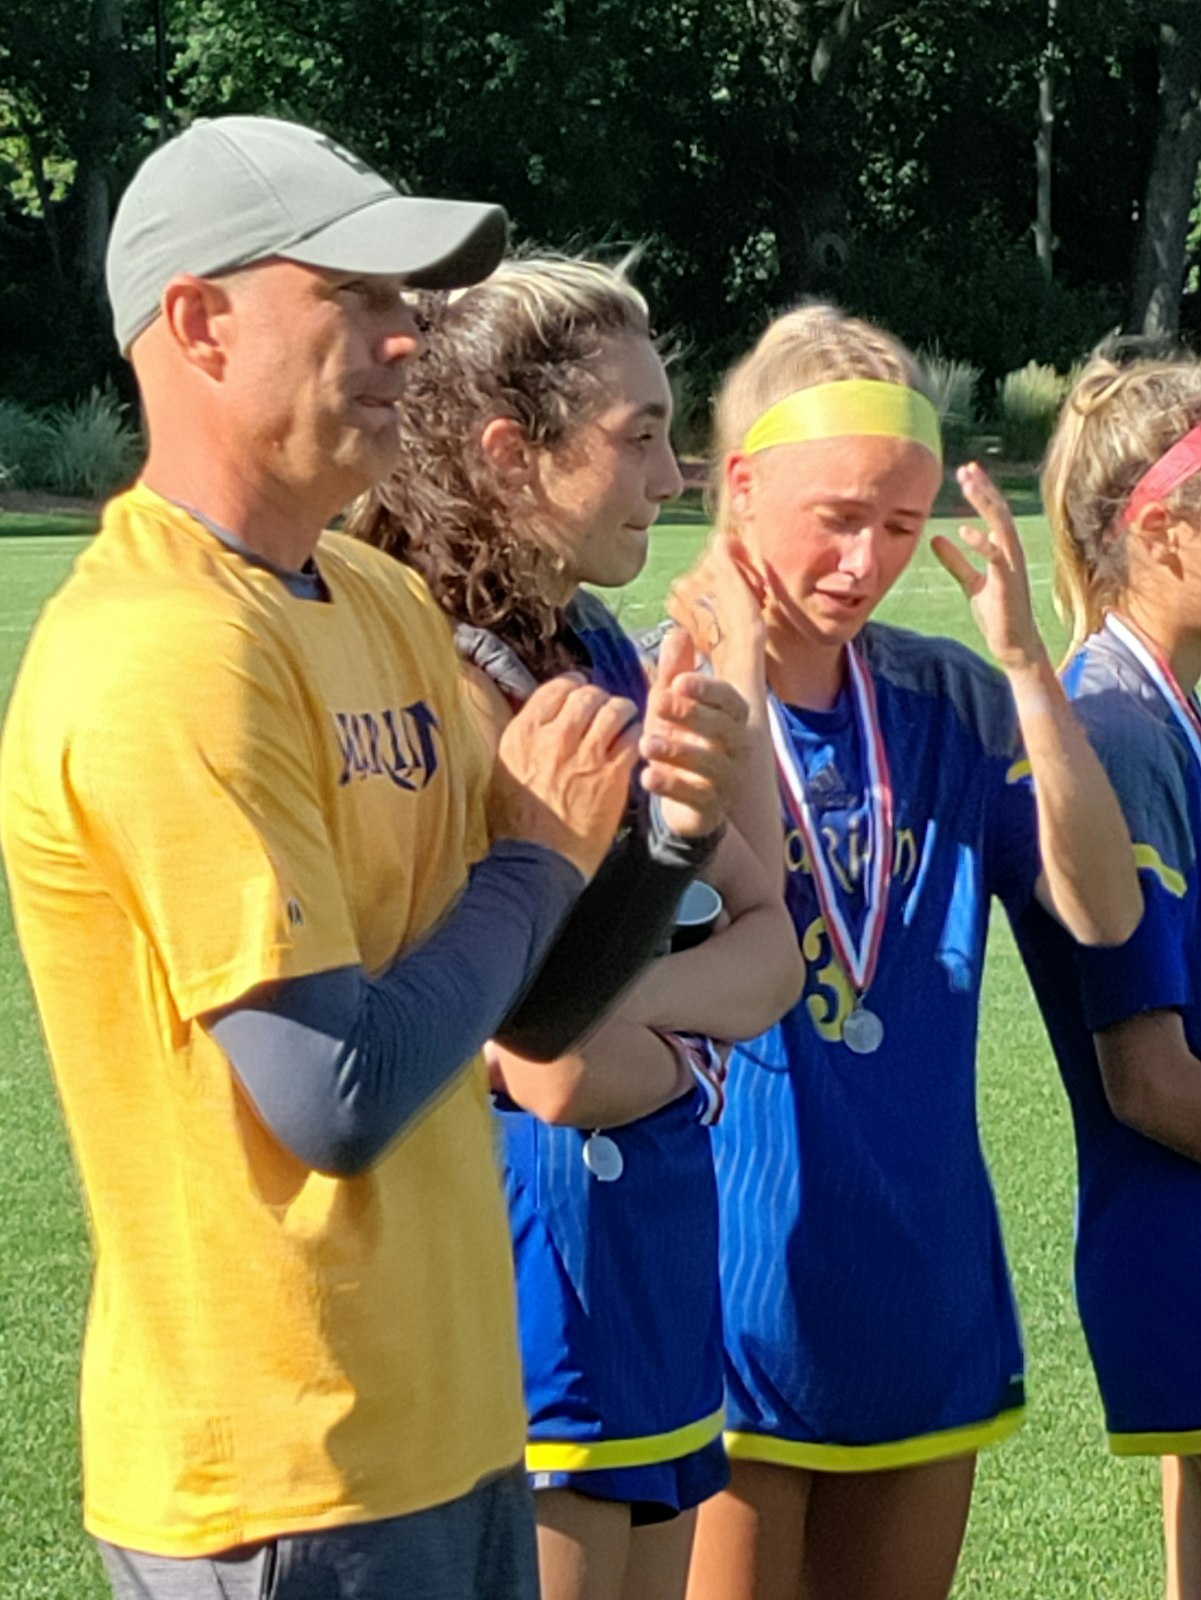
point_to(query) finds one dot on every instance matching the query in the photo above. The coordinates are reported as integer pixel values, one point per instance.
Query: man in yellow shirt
(273, 901)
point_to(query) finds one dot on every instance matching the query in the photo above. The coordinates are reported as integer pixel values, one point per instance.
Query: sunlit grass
(1055, 1517)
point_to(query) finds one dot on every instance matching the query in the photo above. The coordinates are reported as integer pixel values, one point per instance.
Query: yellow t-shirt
(206, 784)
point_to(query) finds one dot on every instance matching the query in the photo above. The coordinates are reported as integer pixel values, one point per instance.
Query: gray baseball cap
(234, 190)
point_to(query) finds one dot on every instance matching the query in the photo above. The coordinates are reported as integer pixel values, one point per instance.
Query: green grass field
(1055, 1517)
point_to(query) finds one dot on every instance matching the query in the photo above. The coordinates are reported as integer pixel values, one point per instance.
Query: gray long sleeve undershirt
(338, 1063)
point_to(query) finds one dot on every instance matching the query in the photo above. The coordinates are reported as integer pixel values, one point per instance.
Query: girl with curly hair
(535, 459)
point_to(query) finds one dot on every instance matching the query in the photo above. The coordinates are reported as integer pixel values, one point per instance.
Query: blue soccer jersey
(869, 1317)
(1138, 1240)
(617, 1287)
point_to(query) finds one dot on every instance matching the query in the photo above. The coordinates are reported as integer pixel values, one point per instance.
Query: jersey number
(832, 1000)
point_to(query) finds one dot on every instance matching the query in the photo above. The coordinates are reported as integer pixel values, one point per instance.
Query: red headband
(1172, 469)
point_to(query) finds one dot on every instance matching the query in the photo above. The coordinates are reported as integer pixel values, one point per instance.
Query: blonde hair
(816, 343)
(524, 344)
(1115, 424)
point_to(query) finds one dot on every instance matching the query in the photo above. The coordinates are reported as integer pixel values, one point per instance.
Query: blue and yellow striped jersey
(869, 1317)
(1138, 1249)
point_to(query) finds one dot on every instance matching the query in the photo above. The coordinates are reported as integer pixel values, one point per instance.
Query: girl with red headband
(872, 1345)
(1123, 492)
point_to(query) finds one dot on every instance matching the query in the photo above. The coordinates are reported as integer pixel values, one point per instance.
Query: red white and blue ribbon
(707, 1061)
(1157, 669)
(858, 961)
(708, 1064)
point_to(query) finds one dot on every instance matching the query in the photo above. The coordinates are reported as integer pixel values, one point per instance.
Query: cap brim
(432, 244)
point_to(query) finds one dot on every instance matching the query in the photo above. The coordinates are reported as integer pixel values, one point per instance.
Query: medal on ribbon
(603, 1157)
(863, 1030)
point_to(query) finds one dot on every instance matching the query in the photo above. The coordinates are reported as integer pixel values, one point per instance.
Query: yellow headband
(850, 406)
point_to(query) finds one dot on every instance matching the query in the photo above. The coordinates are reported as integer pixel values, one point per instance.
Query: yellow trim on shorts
(875, 1457)
(583, 1455)
(1156, 1444)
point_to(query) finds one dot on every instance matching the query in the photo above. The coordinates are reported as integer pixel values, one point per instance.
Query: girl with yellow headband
(1123, 492)
(872, 1342)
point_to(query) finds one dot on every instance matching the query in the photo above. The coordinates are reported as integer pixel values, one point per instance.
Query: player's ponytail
(1116, 423)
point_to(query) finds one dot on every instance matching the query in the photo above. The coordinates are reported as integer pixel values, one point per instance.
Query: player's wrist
(743, 663)
(1035, 688)
(679, 847)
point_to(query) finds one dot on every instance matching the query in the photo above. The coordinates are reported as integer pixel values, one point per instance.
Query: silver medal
(603, 1158)
(863, 1032)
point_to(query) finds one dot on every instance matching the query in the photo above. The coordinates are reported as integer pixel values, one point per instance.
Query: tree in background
(1172, 183)
(72, 107)
(876, 151)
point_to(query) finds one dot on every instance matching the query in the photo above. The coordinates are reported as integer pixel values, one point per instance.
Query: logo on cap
(351, 160)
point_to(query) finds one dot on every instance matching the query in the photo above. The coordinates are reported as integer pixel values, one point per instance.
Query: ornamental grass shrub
(1028, 403)
(93, 450)
(25, 438)
(87, 448)
(952, 386)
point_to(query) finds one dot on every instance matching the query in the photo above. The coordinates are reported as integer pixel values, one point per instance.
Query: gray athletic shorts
(481, 1547)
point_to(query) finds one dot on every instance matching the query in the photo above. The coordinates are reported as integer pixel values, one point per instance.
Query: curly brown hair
(524, 344)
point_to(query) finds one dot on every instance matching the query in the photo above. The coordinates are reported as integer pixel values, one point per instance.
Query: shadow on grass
(30, 525)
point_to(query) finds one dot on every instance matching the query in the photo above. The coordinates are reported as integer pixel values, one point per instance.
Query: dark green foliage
(873, 151)
(982, 293)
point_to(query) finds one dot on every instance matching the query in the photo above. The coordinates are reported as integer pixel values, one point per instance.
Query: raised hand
(563, 769)
(693, 741)
(1000, 594)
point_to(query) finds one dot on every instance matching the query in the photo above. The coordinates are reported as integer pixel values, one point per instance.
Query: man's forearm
(338, 1063)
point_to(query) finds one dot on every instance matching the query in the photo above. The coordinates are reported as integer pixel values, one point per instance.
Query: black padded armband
(620, 923)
